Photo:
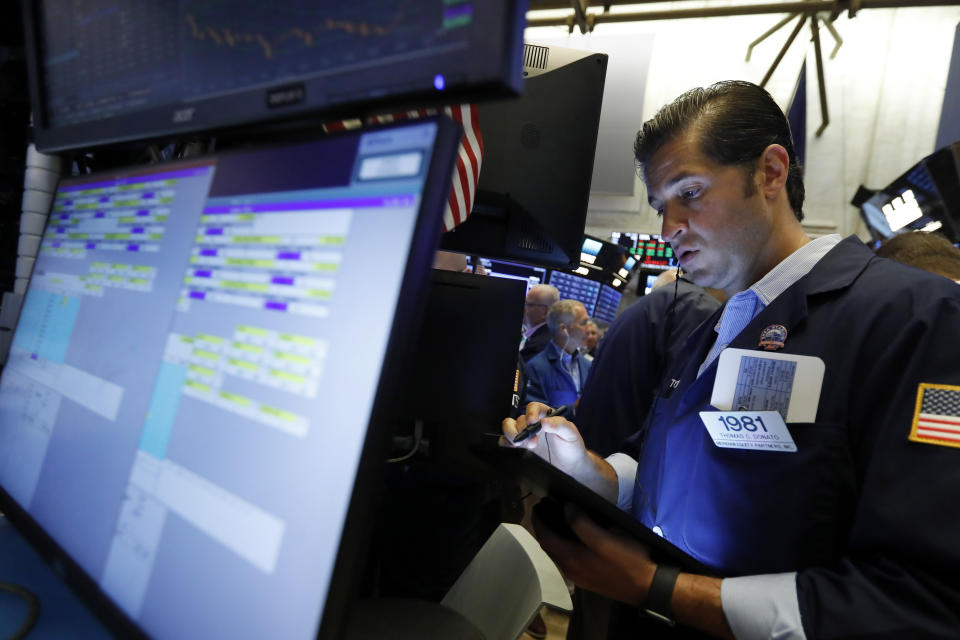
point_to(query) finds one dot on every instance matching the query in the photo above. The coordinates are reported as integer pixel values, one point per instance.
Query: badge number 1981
(756, 430)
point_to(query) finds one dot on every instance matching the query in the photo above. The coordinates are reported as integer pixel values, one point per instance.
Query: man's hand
(603, 562)
(558, 442)
(621, 569)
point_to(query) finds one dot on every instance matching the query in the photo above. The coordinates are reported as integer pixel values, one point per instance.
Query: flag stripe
(938, 428)
(925, 427)
(947, 438)
(926, 417)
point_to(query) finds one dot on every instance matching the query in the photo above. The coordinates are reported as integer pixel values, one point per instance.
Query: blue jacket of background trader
(858, 499)
(548, 382)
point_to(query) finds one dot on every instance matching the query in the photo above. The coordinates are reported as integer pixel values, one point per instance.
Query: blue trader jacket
(869, 519)
(547, 380)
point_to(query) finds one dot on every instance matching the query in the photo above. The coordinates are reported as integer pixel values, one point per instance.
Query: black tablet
(559, 488)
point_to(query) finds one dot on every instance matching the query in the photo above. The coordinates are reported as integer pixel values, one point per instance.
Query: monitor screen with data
(200, 363)
(103, 72)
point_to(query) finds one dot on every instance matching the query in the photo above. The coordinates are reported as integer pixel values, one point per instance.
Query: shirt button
(658, 531)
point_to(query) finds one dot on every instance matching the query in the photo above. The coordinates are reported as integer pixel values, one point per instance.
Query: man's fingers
(560, 427)
(535, 411)
(510, 429)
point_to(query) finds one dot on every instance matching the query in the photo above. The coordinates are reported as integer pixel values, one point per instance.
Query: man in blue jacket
(556, 375)
(851, 530)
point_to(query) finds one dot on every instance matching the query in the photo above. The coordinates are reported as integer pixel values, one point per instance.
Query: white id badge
(756, 430)
(760, 381)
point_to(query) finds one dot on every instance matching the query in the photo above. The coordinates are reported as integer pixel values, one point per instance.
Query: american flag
(937, 419)
(469, 157)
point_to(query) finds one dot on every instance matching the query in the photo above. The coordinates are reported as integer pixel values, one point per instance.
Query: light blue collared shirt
(569, 364)
(747, 304)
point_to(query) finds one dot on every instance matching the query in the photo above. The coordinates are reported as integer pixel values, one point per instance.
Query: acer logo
(183, 115)
(283, 96)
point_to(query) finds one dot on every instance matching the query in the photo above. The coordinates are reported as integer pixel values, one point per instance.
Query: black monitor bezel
(221, 115)
(357, 526)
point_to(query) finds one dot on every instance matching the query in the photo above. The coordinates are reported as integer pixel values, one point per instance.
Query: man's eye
(689, 194)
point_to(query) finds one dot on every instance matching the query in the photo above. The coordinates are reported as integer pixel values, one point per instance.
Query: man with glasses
(536, 335)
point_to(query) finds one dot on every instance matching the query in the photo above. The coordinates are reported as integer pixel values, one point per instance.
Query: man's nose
(674, 223)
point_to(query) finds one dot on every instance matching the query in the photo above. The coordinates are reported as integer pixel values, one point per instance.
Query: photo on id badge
(757, 393)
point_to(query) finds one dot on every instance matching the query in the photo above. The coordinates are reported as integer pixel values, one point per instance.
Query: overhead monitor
(601, 254)
(626, 239)
(654, 253)
(102, 73)
(538, 150)
(192, 412)
(925, 198)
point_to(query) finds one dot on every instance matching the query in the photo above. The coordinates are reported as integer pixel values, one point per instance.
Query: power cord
(33, 612)
(417, 437)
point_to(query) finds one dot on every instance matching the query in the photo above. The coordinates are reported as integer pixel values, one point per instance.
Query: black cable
(664, 365)
(33, 602)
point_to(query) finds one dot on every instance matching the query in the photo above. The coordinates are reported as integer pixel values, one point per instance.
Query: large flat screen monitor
(538, 150)
(200, 377)
(574, 287)
(104, 72)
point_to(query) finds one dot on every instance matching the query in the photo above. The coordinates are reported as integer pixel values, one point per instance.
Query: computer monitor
(577, 287)
(528, 274)
(925, 198)
(538, 150)
(609, 256)
(654, 253)
(112, 73)
(462, 380)
(194, 409)
(646, 280)
(608, 301)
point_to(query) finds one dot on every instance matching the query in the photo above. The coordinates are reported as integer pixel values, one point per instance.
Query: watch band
(657, 604)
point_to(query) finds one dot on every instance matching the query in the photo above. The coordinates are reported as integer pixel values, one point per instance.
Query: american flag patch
(937, 417)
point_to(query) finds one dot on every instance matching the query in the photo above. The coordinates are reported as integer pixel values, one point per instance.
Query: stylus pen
(531, 429)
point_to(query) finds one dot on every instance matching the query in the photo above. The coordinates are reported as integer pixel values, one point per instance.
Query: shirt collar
(565, 357)
(781, 277)
(793, 267)
(529, 332)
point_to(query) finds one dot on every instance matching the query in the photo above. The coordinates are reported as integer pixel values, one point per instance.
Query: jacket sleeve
(901, 574)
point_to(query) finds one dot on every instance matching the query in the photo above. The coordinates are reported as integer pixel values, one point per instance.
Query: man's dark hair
(735, 121)
(928, 251)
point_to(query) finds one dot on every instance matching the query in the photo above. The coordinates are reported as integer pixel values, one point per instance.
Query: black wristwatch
(657, 604)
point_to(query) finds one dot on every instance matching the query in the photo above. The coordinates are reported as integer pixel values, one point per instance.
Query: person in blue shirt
(853, 533)
(556, 375)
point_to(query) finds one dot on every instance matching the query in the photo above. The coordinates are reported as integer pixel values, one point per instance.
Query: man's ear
(774, 165)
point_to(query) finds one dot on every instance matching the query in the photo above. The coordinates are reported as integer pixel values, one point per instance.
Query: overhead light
(582, 271)
(617, 282)
(933, 226)
(586, 257)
